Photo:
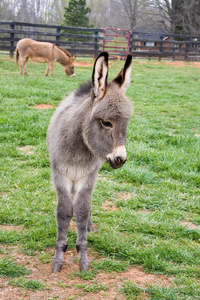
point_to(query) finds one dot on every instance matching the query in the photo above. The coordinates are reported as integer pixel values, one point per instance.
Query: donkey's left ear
(100, 74)
(124, 77)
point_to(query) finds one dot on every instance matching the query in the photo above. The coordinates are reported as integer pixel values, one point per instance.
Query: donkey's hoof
(83, 266)
(56, 267)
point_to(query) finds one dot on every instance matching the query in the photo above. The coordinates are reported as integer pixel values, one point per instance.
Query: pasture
(146, 243)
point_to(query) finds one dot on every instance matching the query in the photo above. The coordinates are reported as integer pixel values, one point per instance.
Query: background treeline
(172, 16)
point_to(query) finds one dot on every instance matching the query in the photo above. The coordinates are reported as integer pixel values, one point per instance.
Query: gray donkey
(88, 128)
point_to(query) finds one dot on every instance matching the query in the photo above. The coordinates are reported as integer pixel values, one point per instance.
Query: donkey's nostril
(118, 160)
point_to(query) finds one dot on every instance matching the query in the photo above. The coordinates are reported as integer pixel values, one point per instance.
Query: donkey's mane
(64, 50)
(84, 89)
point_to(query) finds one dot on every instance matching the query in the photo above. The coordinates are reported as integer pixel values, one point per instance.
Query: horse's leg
(64, 215)
(82, 212)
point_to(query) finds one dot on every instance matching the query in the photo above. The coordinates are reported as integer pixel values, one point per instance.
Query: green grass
(28, 284)
(109, 265)
(10, 268)
(92, 288)
(131, 291)
(157, 189)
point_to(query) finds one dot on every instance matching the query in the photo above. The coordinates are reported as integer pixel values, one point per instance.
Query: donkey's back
(87, 129)
(37, 51)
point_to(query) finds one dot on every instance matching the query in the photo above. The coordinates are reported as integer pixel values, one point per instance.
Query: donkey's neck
(61, 57)
(76, 159)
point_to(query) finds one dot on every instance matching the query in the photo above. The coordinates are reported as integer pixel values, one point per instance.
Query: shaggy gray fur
(88, 128)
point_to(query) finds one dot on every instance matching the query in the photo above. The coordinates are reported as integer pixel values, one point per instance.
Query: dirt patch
(43, 106)
(27, 149)
(183, 64)
(109, 206)
(82, 64)
(175, 63)
(11, 227)
(125, 196)
(190, 225)
(144, 211)
(66, 284)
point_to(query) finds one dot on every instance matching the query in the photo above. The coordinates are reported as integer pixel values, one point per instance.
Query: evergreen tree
(76, 14)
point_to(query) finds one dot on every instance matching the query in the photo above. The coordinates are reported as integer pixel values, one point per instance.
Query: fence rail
(89, 41)
(82, 41)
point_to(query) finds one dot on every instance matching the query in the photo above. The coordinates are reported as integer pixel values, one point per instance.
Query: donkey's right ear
(100, 74)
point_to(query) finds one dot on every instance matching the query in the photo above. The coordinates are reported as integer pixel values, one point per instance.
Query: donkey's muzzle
(117, 162)
(117, 158)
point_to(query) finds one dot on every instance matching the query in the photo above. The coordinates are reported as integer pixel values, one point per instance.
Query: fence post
(12, 35)
(130, 41)
(57, 35)
(161, 48)
(187, 48)
(96, 46)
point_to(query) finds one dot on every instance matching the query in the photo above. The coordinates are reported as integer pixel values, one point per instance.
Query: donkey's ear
(100, 74)
(124, 77)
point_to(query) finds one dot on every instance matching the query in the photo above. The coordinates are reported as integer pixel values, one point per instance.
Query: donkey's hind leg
(25, 72)
(64, 215)
(47, 70)
(23, 62)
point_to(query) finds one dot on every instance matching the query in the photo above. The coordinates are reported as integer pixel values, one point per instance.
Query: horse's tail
(16, 56)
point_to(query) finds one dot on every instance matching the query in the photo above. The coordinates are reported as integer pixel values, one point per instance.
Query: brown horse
(43, 52)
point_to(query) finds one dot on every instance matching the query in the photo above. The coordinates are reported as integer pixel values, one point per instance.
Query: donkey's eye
(106, 124)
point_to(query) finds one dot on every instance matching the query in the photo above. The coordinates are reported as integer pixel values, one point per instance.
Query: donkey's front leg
(82, 217)
(64, 215)
(51, 68)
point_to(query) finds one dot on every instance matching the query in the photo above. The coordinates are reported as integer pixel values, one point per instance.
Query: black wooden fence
(80, 41)
(176, 47)
(89, 41)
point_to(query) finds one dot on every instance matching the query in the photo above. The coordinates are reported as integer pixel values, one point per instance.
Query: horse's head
(69, 68)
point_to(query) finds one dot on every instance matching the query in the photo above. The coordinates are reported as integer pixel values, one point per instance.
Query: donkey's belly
(38, 59)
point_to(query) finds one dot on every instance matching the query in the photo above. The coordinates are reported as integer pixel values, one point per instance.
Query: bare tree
(134, 14)
(166, 14)
(178, 16)
(36, 11)
(8, 9)
(190, 21)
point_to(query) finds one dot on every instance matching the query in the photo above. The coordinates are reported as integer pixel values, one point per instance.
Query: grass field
(146, 214)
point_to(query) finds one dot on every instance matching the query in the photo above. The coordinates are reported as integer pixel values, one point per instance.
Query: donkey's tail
(16, 56)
